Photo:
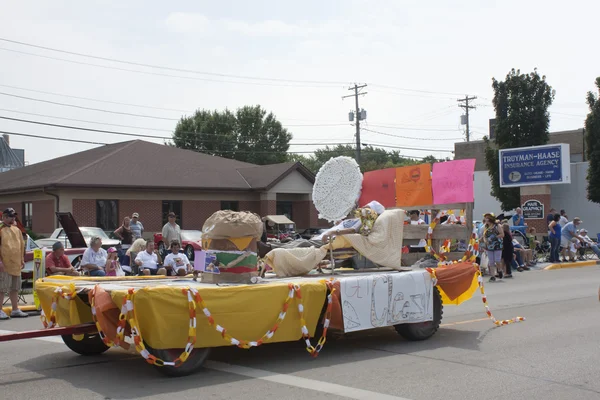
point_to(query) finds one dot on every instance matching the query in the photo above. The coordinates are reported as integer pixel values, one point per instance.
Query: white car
(88, 233)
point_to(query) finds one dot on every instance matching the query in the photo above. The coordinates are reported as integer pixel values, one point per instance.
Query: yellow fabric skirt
(247, 312)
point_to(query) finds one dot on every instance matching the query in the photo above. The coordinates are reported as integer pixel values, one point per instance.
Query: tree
(372, 158)
(521, 102)
(251, 135)
(592, 142)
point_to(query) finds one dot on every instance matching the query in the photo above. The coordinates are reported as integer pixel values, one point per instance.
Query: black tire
(424, 330)
(90, 345)
(189, 252)
(193, 363)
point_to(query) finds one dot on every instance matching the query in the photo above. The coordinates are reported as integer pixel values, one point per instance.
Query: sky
(294, 59)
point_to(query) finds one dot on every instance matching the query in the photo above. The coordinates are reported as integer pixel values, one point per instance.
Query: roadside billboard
(535, 165)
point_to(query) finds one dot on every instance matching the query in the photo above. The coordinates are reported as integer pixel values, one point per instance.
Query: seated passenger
(415, 218)
(148, 260)
(176, 262)
(94, 258)
(57, 263)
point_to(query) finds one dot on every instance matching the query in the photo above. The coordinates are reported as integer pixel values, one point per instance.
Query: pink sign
(452, 181)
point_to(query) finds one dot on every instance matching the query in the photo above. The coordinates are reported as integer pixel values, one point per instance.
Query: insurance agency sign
(535, 165)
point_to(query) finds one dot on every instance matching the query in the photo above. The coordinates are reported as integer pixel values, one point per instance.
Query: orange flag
(413, 185)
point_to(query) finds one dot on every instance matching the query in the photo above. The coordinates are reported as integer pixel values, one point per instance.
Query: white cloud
(182, 22)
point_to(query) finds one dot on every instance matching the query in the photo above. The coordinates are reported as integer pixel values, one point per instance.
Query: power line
(137, 64)
(412, 129)
(222, 75)
(415, 90)
(96, 100)
(139, 115)
(51, 138)
(409, 148)
(88, 108)
(85, 121)
(194, 78)
(406, 137)
(105, 144)
(204, 139)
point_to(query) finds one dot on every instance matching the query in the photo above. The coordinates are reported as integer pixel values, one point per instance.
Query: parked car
(191, 241)
(311, 232)
(88, 232)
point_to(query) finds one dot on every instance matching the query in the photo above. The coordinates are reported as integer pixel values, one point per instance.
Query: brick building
(103, 185)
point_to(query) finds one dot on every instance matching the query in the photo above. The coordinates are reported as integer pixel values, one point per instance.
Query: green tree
(521, 103)
(251, 135)
(592, 142)
(372, 158)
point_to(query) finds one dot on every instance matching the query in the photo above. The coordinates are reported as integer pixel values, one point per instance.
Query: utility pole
(356, 89)
(467, 107)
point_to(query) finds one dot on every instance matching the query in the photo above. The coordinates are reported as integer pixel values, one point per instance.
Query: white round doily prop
(337, 188)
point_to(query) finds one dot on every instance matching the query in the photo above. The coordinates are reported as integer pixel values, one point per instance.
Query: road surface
(552, 355)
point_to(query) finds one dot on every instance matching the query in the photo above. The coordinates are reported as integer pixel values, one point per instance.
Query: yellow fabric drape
(246, 311)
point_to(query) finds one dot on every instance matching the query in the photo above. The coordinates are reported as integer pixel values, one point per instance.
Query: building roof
(141, 164)
(8, 159)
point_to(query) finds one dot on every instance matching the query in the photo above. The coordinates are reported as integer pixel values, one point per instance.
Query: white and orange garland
(195, 302)
(470, 256)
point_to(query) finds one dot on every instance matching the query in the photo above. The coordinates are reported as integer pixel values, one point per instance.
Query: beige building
(476, 149)
(103, 185)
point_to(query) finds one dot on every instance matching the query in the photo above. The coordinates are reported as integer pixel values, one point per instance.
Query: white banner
(373, 301)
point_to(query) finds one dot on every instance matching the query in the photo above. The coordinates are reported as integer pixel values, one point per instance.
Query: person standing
(493, 236)
(564, 219)
(508, 250)
(12, 261)
(555, 236)
(136, 226)
(570, 235)
(171, 231)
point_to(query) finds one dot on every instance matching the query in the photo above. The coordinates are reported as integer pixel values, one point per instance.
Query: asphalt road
(552, 355)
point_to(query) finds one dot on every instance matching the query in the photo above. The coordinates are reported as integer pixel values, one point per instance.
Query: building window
(171, 206)
(107, 214)
(230, 205)
(285, 208)
(28, 215)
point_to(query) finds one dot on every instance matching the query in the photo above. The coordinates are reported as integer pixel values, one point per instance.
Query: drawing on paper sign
(351, 320)
(386, 300)
(359, 289)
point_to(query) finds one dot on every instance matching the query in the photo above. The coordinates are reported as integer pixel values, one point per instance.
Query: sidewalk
(577, 264)
(29, 304)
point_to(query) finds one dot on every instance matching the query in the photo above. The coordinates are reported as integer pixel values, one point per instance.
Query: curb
(22, 308)
(572, 265)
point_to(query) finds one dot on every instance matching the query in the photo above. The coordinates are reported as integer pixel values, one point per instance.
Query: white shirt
(170, 261)
(563, 221)
(149, 261)
(417, 222)
(353, 223)
(97, 258)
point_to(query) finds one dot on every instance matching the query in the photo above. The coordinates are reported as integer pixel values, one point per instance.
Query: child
(112, 262)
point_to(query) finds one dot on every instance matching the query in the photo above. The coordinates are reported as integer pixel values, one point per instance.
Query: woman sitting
(94, 258)
(129, 265)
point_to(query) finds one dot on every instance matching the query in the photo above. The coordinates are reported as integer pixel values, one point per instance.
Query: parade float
(295, 293)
